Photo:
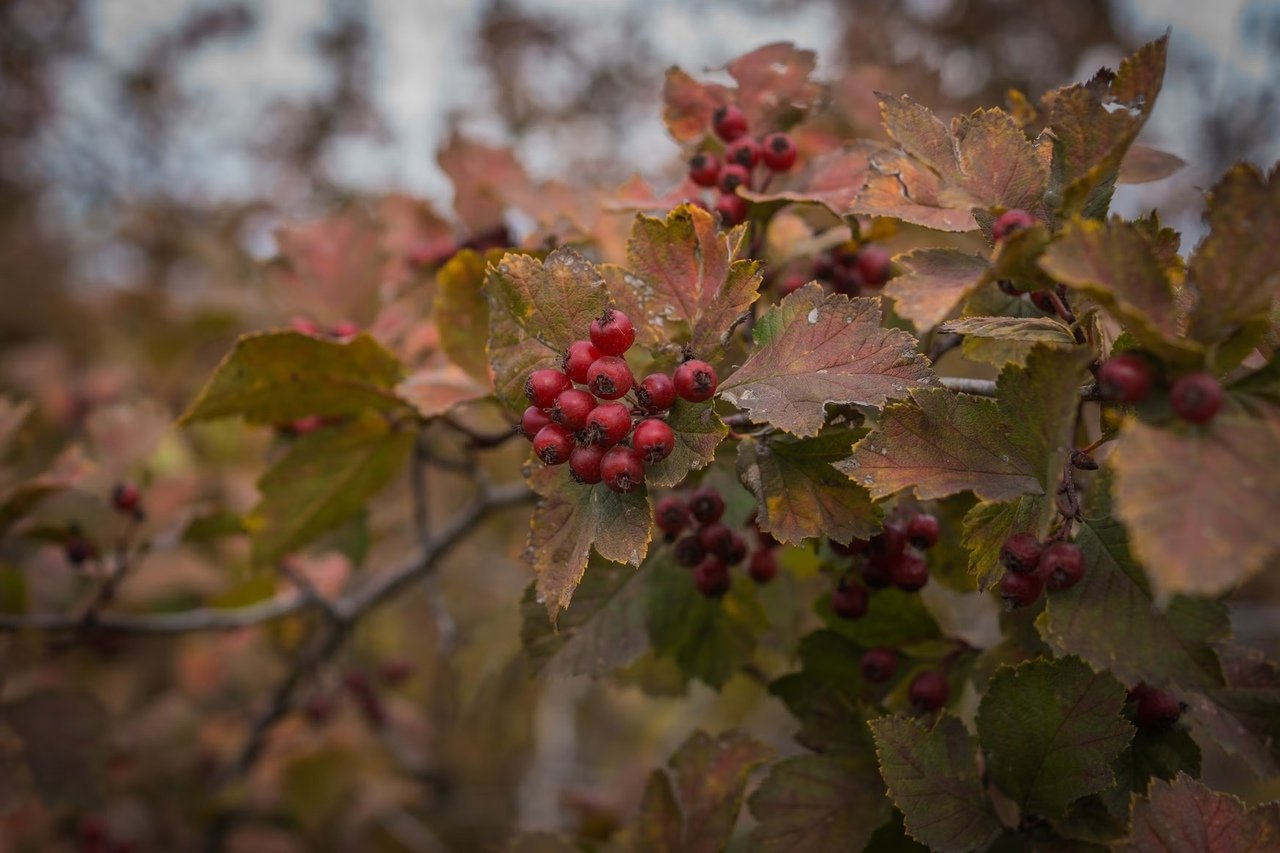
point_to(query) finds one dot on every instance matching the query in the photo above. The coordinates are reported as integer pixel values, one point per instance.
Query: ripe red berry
(608, 424)
(923, 530)
(1011, 221)
(877, 574)
(656, 393)
(929, 691)
(886, 547)
(533, 420)
(1061, 565)
(729, 122)
(622, 469)
(873, 265)
(1125, 378)
(1042, 300)
(654, 439)
(584, 464)
(711, 577)
(734, 550)
(910, 572)
(763, 565)
(715, 536)
(553, 444)
(126, 497)
(732, 208)
(571, 408)
(1196, 397)
(704, 169)
(695, 380)
(1021, 552)
(792, 283)
(733, 176)
(688, 550)
(1020, 589)
(578, 358)
(78, 549)
(878, 665)
(612, 332)
(671, 515)
(609, 377)
(743, 151)
(1154, 709)
(849, 601)
(778, 150)
(706, 504)
(543, 386)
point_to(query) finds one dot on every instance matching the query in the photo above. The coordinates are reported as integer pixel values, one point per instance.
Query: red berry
(1021, 552)
(715, 536)
(1196, 397)
(1155, 709)
(849, 601)
(695, 380)
(873, 266)
(1009, 222)
(688, 551)
(553, 444)
(734, 550)
(126, 497)
(743, 151)
(609, 377)
(671, 515)
(929, 691)
(711, 577)
(732, 208)
(923, 530)
(733, 176)
(1061, 565)
(607, 424)
(584, 464)
(78, 549)
(888, 544)
(823, 267)
(578, 358)
(763, 566)
(910, 572)
(622, 469)
(533, 420)
(729, 122)
(1020, 589)
(345, 331)
(571, 408)
(878, 665)
(792, 283)
(612, 332)
(656, 393)
(319, 709)
(1042, 300)
(1125, 378)
(654, 439)
(877, 574)
(706, 504)
(704, 169)
(543, 386)
(778, 150)
(304, 425)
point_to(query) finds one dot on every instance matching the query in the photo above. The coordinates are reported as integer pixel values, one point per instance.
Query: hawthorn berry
(877, 574)
(732, 208)
(607, 424)
(1042, 300)
(1125, 378)
(543, 386)
(609, 377)
(656, 393)
(671, 515)
(887, 546)
(126, 497)
(654, 439)
(704, 169)
(1196, 397)
(849, 600)
(571, 408)
(1009, 222)
(688, 551)
(923, 530)
(929, 691)
(584, 464)
(910, 572)
(1021, 552)
(1061, 565)
(1020, 589)
(695, 380)
(878, 665)
(733, 176)
(715, 536)
(553, 444)
(711, 577)
(612, 333)
(778, 150)
(533, 420)
(792, 283)
(763, 565)
(1154, 709)
(873, 265)
(744, 151)
(622, 469)
(78, 549)
(706, 504)
(578, 359)
(729, 122)
(734, 549)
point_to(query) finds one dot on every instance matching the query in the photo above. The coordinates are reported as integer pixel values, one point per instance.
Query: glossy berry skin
(733, 176)
(656, 393)
(849, 600)
(695, 381)
(743, 151)
(715, 537)
(763, 566)
(734, 550)
(706, 504)
(778, 150)
(910, 572)
(1125, 378)
(671, 515)
(732, 208)
(1154, 709)
(654, 440)
(704, 169)
(873, 265)
(584, 464)
(923, 530)
(1021, 552)
(1196, 397)
(612, 333)
(608, 424)
(553, 444)
(1011, 221)
(543, 386)
(878, 665)
(1020, 589)
(890, 542)
(729, 122)
(609, 377)
(711, 577)
(622, 469)
(578, 359)
(126, 497)
(533, 420)
(1061, 565)
(688, 550)
(929, 691)
(571, 408)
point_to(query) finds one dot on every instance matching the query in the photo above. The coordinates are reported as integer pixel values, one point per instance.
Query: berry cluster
(847, 269)
(711, 546)
(580, 414)
(738, 167)
(1130, 378)
(890, 558)
(1032, 566)
(126, 499)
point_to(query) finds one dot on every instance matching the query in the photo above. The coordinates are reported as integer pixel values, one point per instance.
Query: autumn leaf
(60, 737)
(818, 803)
(698, 432)
(828, 695)
(330, 269)
(989, 524)
(462, 312)
(1029, 330)
(833, 179)
(484, 177)
(1185, 815)
(933, 283)
(1143, 164)
(436, 390)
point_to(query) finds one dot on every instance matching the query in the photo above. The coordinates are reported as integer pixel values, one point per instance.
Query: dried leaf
(933, 283)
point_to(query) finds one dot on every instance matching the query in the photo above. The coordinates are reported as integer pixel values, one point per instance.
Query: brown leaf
(933, 283)
(832, 179)
(1186, 816)
(436, 390)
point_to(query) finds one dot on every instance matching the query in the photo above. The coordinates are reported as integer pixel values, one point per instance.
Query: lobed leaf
(934, 282)
(828, 695)
(833, 179)
(698, 432)
(1185, 815)
(1030, 330)
(818, 803)
(462, 312)
(434, 391)
(988, 525)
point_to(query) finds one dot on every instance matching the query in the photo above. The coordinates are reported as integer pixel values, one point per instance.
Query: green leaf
(824, 349)
(1152, 755)
(462, 312)
(315, 786)
(1050, 730)
(64, 748)
(933, 778)
(1031, 330)
(698, 432)
(933, 283)
(1185, 815)
(818, 803)
(799, 494)
(988, 525)
(893, 618)
(893, 838)
(325, 479)
(277, 377)
(828, 695)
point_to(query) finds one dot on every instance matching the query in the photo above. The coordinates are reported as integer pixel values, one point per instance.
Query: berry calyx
(733, 176)
(743, 151)
(706, 504)
(849, 600)
(704, 169)
(126, 497)
(1020, 589)
(688, 551)
(729, 122)
(1196, 397)
(711, 577)
(612, 332)
(571, 408)
(929, 691)
(732, 208)
(695, 381)
(1021, 552)
(553, 444)
(910, 573)
(533, 420)
(1154, 709)
(609, 377)
(763, 565)
(607, 424)
(584, 464)
(543, 386)
(656, 393)
(654, 439)
(878, 665)
(873, 265)
(1061, 565)
(778, 150)
(1010, 222)
(1125, 378)
(622, 469)
(578, 359)
(923, 531)
(671, 515)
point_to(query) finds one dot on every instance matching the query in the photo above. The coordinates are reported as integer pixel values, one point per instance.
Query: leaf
(1242, 718)
(63, 735)
(988, 525)
(331, 268)
(315, 786)
(483, 177)
(1144, 164)
(462, 312)
(833, 179)
(1050, 730)
(933, 778)
(436, 390)
(1184, 815)
(1034, 330)
(933, 283)
(326, 478)
(277, 377)
(1152, 755)
(828, 695)
(800, 494)
(894, 618)
(698, 432)
(1199, 505)
(13, 414)
(818, 803)
(823, 349)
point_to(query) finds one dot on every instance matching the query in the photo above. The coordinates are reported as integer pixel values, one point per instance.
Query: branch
(987, 387)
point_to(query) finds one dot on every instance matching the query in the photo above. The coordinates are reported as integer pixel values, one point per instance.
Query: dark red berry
(78, 549)
(743, 151)
(654, 439)
(553, 444)
(533, 420)
(877, 574)
(849, 600)
(732, 208)
(923, 530)
(656, 393)
(1125, 378)
(704, 169)
(671, 515)
(792, 283)
(1061, 565)
(608, 424)
(688, 550)
(733, 176)
(1196, 397)
(729, 122)
(778, 150)
(763, 566)
(395, 671)
(1009, 222)
(1021, 552)
(571, 408)
(823, 267)
(695, 380)
(578, 359)
(1042, 300)
(126, 497)
(543, 386)
(622, 469)
(873, 266)
(609, 377)
(929, 691)
(734, 551)
(711, 577)
(1020, 589)
(612, 332)
(855, 546)
(878, 665)
(715, 536)
(584, 464)
(1154, 709)
(706, 504)
(1008, 288)
(910, 572)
